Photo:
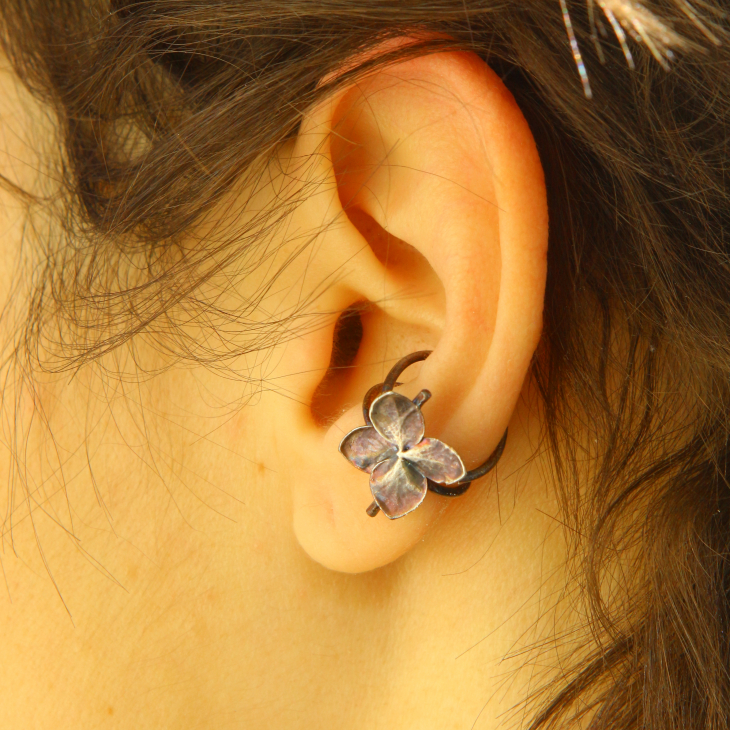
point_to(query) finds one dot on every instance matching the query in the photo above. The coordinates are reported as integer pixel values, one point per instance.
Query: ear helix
(403, 465)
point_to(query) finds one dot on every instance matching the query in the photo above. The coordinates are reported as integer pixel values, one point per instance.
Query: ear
(431, 201)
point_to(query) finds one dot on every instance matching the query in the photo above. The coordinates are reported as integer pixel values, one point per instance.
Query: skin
(211, 574)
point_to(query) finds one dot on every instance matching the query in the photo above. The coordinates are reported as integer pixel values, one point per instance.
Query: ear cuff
(403, 465)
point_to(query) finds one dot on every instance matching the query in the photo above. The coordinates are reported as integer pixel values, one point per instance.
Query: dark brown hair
(163, 105)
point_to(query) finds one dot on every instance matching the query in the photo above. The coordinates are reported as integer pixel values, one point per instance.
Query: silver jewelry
(391, 448)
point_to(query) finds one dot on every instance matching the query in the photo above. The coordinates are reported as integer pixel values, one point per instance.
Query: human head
(163, 149)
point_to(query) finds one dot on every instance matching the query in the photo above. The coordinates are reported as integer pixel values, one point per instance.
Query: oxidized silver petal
(364, 447)
(436, 461)
(397, 419)
(397, 487)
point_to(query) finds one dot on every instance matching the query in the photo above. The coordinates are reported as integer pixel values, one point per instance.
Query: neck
(188, 609)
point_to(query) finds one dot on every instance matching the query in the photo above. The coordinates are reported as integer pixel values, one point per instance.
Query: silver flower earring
(391, 448)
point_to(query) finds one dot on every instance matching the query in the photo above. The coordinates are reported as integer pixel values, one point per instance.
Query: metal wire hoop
(455, 489)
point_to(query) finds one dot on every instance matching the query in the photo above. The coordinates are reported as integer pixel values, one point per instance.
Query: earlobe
(436, 200)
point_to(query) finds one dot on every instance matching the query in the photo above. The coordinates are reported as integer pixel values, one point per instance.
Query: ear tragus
(328, 400)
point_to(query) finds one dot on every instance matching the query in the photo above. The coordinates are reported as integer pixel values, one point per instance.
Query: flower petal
(436, 461)
(364, 447)
(397, 419)
(397, 487)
